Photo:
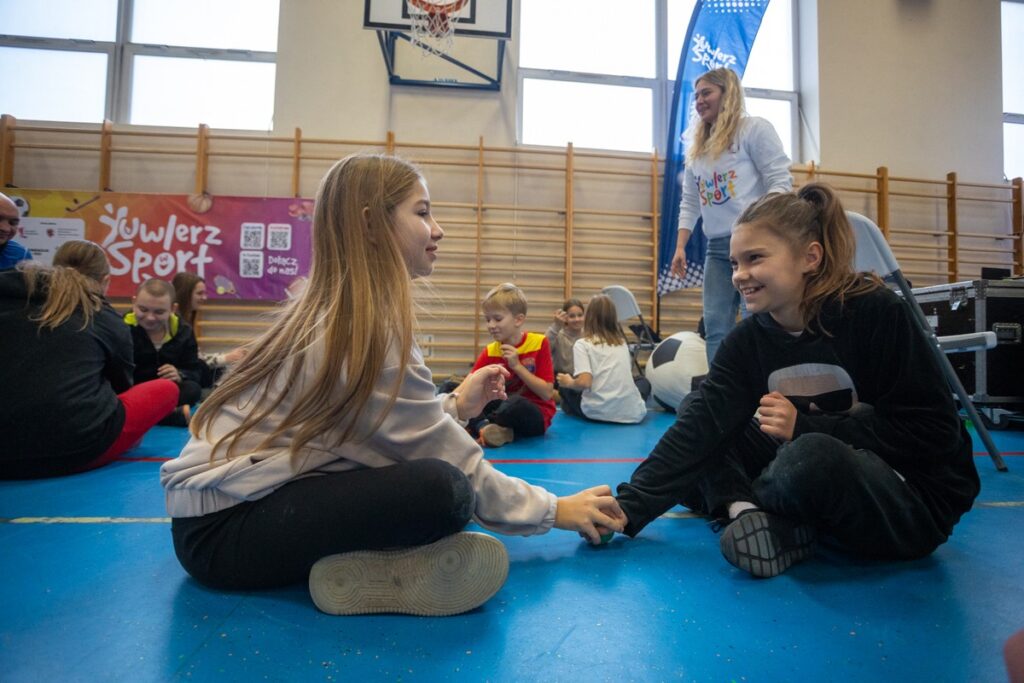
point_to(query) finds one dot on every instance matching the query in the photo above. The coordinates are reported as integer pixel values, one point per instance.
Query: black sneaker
(764, 544)
(453, 575)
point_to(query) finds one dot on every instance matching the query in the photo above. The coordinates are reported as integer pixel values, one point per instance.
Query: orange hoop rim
(435, 8)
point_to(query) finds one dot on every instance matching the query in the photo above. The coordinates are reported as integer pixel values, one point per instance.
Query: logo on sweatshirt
(716, 189)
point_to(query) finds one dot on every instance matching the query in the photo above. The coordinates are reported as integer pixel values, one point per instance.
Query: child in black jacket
(855, 435)
(69, 401)
(164, 345)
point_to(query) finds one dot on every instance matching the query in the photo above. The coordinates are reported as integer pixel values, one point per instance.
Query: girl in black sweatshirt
(69, 403)
(824, 412)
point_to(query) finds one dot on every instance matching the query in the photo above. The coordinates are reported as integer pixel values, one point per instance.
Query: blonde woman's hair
(601, 322)
(815, 214)
(74, 282)
(508, 296)
(713, 139)
(356, 305)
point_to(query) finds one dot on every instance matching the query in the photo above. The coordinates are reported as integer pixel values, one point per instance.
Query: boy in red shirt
(529, 407)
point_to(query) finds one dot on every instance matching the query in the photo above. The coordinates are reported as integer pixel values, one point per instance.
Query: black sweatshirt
(180, 351)
(60, 407)
(875, 356)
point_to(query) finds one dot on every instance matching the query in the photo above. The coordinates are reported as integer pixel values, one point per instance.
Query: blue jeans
(721, 300)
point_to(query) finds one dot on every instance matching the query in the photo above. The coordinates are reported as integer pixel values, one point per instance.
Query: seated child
(563, 333)
(529, 407)
(325, 456)
(603, 388)
(824, 412)
(165, 347)
(69, 403)
(190, 295)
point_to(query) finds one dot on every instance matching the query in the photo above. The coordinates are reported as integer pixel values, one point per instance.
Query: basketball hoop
(433, 27)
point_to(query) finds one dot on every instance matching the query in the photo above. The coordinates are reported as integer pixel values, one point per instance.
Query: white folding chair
(627, 308)
(874, 255)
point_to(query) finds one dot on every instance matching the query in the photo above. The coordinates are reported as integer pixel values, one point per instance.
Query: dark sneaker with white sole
(453, 575)
(764, 544)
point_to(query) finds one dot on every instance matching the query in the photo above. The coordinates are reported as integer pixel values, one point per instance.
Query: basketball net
(433, 27)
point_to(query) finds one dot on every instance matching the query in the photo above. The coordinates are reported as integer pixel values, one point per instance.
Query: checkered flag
(669, 282)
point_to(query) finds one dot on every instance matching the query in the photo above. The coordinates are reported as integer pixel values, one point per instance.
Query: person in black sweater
(69, 403)
(164, 345)
(824, 413)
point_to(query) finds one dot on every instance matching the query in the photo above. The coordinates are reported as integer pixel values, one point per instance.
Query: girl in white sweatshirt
(603, 388)
(326, 453)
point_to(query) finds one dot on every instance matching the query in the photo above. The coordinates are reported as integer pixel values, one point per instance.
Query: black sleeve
(726, 402)
(189, 365)
(914, 417)
(116, 338)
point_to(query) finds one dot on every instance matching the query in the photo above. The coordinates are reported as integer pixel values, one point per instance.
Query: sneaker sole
(750, 544)
(453, 575)
(496, 438)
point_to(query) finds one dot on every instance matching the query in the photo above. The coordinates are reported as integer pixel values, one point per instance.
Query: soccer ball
(673, 365)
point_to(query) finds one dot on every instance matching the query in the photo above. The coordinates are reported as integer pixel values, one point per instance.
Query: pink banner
(244, 247)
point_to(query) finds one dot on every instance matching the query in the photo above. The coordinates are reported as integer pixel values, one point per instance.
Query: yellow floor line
(167, 520)
(87, 520)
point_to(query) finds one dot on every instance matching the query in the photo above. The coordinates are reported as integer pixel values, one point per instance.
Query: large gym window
(617, 54)
(1013, 88)
(146, 62)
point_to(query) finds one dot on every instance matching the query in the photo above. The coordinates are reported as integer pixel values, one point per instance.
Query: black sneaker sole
(766, 545)
(453, 575)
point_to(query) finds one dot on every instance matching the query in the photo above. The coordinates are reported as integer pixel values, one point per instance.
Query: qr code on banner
(250, 264)
(252, 236)
(279, 237)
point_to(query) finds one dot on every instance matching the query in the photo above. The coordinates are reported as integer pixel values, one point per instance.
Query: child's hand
(561, 317)
(566, 380)
(235, 355)
(511, 356)
(589, 509)
(168, 371)
(679, 262)
(777, 416)
(479, 389)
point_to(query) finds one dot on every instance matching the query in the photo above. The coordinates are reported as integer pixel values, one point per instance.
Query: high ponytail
(815, 214)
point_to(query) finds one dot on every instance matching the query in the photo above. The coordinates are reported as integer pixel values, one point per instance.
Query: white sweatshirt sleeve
(765, 150)
(689, 205)
(419, 427)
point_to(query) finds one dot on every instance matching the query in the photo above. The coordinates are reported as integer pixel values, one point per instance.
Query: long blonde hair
(815, 214)
(713, 139)
(601, 322)
(74, 282)
(357, 303)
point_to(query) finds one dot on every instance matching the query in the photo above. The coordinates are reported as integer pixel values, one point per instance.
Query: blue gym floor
(91, 591)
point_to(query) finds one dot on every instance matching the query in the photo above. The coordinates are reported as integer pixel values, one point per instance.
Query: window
(1013, 88)
(147, 62)
(600, 73)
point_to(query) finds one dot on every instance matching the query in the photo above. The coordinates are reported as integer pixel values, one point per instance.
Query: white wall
(331, 81)
(911, 84)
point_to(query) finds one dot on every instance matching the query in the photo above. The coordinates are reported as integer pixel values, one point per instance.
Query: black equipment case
(993, 378)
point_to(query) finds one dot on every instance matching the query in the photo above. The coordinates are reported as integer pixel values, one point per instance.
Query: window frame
(1015, 118)
(121, 55)
(662, 85)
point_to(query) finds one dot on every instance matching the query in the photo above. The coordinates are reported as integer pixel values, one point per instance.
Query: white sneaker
(453, 575)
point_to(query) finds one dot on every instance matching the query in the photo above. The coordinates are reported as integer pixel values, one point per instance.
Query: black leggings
(275, 540)
(520, 415)
(850, 494)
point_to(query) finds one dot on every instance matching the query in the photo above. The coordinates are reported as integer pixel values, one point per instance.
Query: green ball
(606, 538)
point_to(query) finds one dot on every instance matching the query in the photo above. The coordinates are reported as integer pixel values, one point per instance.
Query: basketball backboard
(477, 18)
